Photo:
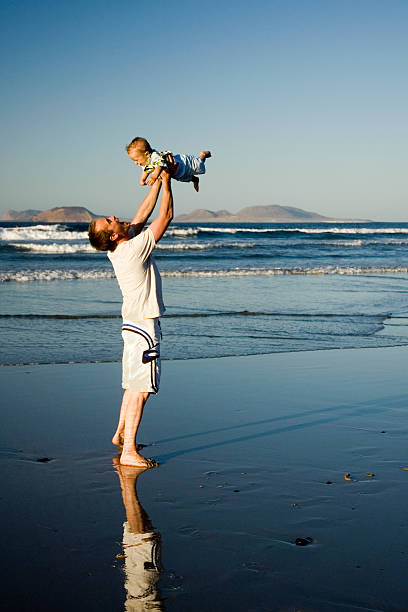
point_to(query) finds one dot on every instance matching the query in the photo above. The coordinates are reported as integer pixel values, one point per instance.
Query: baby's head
(139, 150)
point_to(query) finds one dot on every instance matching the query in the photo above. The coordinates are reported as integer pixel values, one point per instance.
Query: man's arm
(159, 225)
(146, 208)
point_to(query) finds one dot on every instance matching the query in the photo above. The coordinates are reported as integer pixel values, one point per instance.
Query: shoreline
(231, 356)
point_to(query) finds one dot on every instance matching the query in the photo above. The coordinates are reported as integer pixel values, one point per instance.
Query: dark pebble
(329, 482)
(303, 541)
(236, 490)
(43, 460)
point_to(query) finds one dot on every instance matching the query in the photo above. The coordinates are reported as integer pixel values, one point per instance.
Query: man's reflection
(141, 546)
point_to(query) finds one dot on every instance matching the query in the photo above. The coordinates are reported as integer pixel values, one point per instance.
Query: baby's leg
(195, 180)
(197, 164)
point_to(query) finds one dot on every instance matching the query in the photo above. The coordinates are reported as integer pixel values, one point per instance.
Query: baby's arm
(143, 177)
(154, 176)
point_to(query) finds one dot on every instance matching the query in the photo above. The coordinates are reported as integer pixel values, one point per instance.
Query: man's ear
(113, 236)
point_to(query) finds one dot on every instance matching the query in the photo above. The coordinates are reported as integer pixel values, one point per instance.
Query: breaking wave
(202, 246)
(49, 275)
(182, 231)
(23, 276)
(358, 242)
(317, 270)
(40, 232)
(306, 230)
(53, 247)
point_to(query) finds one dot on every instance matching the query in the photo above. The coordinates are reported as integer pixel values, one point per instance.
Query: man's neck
(125, 236)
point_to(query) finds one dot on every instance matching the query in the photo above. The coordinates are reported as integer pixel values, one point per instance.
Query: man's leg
(118, 435)
(133, 412)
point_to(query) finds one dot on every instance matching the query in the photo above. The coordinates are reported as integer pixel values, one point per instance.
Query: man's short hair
(139, 143)
(100, 240)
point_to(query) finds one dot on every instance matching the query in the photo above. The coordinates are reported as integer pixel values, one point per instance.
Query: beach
(253, 454)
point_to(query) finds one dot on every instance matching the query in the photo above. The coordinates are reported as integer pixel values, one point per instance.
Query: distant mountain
(258, 214)
(67, 214)
(20, 215)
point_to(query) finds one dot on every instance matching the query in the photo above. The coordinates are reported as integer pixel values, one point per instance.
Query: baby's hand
(142, 181)
(150, 181)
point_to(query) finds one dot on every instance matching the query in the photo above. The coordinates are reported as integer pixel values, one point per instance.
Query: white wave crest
(23, 276)
(344, 243)
(49, 275)
(303, 230)
(358, 242)
(237, 230)
(318, 270)
(40, 232)
(388, 241)
(181, 231)
(53, 247)
(202, 246)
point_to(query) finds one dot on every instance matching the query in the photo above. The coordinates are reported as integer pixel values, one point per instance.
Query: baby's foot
(205, 154)
(196, 182)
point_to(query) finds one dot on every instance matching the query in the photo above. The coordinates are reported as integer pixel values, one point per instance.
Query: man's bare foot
(196, 183)
(126, 470)
(136, 460)
(205, 154)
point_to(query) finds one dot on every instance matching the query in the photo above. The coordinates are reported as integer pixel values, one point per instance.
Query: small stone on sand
(303, 541)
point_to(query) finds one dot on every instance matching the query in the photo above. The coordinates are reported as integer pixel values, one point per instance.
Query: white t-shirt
(138, 277)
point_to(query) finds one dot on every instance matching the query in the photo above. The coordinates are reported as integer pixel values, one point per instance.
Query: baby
(153, 163)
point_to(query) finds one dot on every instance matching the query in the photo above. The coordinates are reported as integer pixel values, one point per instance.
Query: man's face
(139, 157)
(112, 224)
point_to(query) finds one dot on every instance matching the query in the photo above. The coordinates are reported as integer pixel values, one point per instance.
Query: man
(129, 249)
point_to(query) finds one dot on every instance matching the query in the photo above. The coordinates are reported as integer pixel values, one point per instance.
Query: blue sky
(303, 103)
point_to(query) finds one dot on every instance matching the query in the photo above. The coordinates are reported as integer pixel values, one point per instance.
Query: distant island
(260, 214)
(250, 214)
(59, 214)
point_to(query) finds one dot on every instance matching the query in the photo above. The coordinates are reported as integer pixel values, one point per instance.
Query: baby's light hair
(139, 143)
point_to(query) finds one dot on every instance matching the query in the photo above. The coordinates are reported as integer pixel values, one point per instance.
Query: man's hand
(172, 165)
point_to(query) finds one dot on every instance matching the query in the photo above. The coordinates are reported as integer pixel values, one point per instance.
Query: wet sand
(247, 447)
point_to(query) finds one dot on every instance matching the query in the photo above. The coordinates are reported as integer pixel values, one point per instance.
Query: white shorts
(141, 355)
(142, 569)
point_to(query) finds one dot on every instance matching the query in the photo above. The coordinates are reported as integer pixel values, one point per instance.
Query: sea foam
(53, 247)
(69, 274)
(40, 232)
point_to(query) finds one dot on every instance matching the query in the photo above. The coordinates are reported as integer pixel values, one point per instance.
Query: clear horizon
(302, 104)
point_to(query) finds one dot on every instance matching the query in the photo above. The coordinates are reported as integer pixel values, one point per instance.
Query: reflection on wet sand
(141, 546)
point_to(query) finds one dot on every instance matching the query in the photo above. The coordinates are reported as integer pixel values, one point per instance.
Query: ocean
(237, 289)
